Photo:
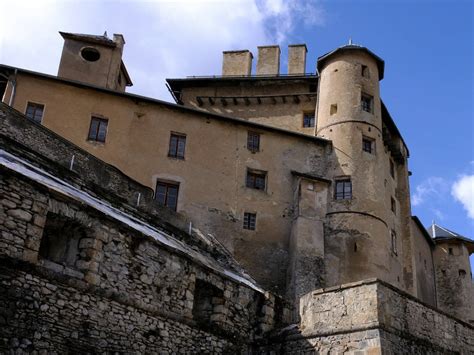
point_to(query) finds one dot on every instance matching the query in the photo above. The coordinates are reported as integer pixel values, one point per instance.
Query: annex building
(261, 212)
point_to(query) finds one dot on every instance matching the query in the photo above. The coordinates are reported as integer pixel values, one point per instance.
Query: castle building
(302, 178)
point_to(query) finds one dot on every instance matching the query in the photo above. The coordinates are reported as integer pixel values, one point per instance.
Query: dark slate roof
(440, 234)
(352, 47)
(102, 40)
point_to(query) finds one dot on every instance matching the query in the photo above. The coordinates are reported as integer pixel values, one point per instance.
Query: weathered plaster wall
(424, 266)
(103, 72)
(272, 110)
(358, 226)
(212, 190)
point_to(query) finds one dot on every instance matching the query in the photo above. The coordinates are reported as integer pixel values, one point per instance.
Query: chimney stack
(268, 62)
(297, 59)
(237, 63)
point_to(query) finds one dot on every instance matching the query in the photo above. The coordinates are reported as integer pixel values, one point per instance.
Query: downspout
(12, 95)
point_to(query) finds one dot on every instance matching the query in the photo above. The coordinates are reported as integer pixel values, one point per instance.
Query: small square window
(167, 194)
(250, 221)
(393, 205)
(365, 71)
(333, 109)
(368, 145)
(98, 129)
(366, 102)
(343, 189)
(308, 119)
(253, 142)
(256, 179)
(393, 237)
(392, 169)
(34, 112)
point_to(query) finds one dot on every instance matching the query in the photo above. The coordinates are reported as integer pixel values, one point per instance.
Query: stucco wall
(212, 190)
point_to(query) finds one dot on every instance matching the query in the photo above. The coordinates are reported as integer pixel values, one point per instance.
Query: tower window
(392, 168)
(333, 109)
(34, 112)
(256, 179)
(98, 129)
(177, 145)
(343, 189)
(308, 119)
(253, 141)
(393, 204)
(368, 145)
(250, 221)
(366, 103)
(365, 71)
(393, 236)
(90, 54)
(167, 194)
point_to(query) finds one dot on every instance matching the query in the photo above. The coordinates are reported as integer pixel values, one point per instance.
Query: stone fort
(260, 213)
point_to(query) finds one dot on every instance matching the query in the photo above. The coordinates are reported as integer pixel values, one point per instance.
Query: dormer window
(90, 54)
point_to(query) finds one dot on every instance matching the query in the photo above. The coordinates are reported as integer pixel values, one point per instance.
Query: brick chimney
(238, 63)
(297, 58)
(268, 60)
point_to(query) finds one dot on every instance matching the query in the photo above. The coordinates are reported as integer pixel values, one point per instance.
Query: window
(253, 142)
(177, 145)
(207, 299)
(367, 103)
(393, 205)
(167, 194)
(368, 145)
(60, 240)
(98, 129)
(256, 179)
(343, 189)
(90, 54)
(392, 168)
(393, 236)
(365, 71)
(308, 119)
(333, 109)
(250, 221)
(34, 112)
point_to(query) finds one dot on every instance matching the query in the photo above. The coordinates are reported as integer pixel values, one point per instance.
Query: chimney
(297, 58)
(238, 63)
(268, 60)
(119, 40)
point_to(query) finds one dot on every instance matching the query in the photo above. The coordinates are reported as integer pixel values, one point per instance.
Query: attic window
(90, 54)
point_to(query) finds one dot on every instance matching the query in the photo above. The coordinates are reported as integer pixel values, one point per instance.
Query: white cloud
(164, 38)
(432, 187)
(463, 191)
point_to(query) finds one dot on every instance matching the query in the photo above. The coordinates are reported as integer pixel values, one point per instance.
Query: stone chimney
(238, 63)
(297, 58)
(268, 60)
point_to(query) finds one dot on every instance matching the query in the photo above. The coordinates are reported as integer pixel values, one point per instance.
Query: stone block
(22, 215)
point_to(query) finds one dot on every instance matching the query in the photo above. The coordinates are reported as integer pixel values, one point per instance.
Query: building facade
(302, 177)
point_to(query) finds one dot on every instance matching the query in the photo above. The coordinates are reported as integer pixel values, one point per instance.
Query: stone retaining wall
(121, 292)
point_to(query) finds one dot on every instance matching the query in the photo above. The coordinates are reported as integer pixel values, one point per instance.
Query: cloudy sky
(427, 46)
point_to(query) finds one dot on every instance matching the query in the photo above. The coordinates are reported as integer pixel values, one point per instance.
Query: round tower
(362, 230)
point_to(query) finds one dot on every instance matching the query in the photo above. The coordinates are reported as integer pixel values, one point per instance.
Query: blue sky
(427, 47)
